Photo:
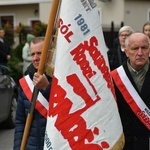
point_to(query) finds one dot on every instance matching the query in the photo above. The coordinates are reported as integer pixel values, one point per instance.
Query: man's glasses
(124, 35)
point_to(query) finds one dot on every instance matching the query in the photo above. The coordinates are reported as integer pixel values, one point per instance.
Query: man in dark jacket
(5, 50)
(43, 83)
(132, 84)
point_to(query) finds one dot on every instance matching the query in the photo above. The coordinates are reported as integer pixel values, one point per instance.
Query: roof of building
(17, 2)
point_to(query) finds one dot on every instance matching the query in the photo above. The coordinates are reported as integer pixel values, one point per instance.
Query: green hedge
(15, 63)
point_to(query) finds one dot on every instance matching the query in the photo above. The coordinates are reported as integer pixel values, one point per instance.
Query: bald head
(136, 36)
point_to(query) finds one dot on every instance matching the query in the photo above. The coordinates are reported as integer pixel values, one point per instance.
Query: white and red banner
(83, 113)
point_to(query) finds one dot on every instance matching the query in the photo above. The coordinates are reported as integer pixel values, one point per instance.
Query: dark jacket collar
(30, 70)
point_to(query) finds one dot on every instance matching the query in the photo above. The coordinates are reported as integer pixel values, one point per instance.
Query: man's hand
(40, 81)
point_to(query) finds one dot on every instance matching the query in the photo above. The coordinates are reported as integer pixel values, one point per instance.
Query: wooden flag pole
(41, 68)
(48, 35)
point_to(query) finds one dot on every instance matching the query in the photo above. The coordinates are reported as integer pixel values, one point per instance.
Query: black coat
(136, 134)
(37, 132)
(4, 51)
(116, 57)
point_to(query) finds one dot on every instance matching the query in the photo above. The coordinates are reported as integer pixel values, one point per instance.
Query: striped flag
(82, 113)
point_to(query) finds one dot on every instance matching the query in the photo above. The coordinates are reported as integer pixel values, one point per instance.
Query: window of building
(7, 21)
(34, 23)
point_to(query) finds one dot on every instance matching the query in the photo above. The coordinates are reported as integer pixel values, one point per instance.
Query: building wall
(22, 13)
(133, 13)
(16, 2)
(136, 15)
(26, 12)
(112, 11)
(44, 9)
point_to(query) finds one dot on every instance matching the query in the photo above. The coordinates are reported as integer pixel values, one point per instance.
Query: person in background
(26, 52)
(146, 29)
(43, 83)
(117, 56)
(5, 49)
(132, 83)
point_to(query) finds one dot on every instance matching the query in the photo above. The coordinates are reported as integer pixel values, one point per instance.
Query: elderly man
(132, 84)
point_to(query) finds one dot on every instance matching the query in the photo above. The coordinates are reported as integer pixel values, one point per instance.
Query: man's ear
(126, 52)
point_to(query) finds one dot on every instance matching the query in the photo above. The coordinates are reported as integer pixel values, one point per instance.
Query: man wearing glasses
(117, 55)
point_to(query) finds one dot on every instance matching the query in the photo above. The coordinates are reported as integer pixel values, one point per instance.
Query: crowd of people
(130, 71)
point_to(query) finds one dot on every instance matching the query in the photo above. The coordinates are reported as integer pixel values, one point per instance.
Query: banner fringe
(120, 143)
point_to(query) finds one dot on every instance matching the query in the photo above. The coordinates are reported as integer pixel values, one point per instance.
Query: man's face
(147, 30)
(2, 33)
(138, 50)
(123, 35)
(36, 50)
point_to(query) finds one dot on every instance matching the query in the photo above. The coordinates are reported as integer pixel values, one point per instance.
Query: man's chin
(142, 61)
(141, 64)
(36, 66)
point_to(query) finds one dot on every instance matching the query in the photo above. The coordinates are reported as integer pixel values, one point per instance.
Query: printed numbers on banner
(81, 22)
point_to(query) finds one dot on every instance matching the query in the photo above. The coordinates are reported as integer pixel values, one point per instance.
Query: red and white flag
(83, 113)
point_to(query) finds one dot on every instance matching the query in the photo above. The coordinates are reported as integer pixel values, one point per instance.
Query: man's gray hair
(126, 28)
(38, 39)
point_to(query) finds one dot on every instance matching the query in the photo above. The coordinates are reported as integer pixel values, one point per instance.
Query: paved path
(6, 139)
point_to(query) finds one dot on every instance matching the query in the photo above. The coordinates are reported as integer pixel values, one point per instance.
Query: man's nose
(35, 57)
(140, 51)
